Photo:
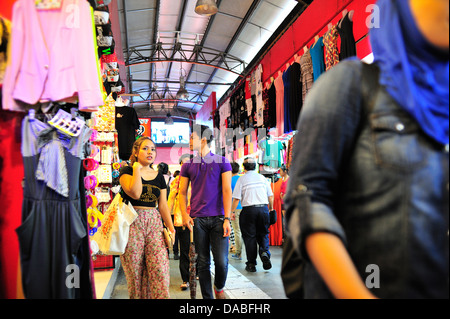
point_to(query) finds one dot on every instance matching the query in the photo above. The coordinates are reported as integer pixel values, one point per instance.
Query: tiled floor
(263, 284)
(101, 278)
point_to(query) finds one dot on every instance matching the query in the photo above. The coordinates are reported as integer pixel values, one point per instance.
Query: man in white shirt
(256, 198)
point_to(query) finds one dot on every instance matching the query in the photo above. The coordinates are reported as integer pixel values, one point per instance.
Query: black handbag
(272, 217)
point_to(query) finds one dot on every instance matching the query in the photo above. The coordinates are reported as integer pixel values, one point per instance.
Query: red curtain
(11, 175)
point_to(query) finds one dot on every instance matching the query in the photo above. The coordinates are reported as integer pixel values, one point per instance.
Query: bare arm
(132, 185)
(227, 193)
(270, 202)
(164, 211)
(235, 204)
(182, 193)
(332, 261)
(173, 194)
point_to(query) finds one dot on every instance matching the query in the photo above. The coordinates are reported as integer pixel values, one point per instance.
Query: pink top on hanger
(53, 56)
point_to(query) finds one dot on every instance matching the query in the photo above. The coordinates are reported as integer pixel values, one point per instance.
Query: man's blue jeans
(208, 236)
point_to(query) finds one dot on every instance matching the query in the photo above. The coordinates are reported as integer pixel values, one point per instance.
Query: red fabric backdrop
(11, 175)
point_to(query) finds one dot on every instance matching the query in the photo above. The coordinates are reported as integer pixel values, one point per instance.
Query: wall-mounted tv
(169, 135)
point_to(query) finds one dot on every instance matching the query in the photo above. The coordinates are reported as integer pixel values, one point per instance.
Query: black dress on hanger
(348, 43)
(296, 103)
(127, 122)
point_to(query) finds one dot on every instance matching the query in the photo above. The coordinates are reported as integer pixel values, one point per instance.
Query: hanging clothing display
(224, 112)
(265, 95)
(307, 73)
(287, 99)
(259, 97)
(54, 57)
(348, 43)
(296, 103)
(53, 233)
(5, 31)
(272, 101)
(330, 40)
(127, 122)
(279, 86)
(292, 97)
(272, 156)
(289, 149)
(276, 230)
(317, 58)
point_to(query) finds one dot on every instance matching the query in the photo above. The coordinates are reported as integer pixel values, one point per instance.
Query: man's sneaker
(250, 267)
(266, 261)
(236, 256)
(176, 256)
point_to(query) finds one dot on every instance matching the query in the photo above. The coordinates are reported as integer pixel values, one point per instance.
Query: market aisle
(240, 283)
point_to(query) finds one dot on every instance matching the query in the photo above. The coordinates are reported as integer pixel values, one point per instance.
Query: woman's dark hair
(284, 168)
(163, 168)
(137, 146)
(235, 167)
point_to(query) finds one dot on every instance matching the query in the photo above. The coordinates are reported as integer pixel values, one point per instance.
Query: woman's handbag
(168, 238)
(112, 236)
(272, 217)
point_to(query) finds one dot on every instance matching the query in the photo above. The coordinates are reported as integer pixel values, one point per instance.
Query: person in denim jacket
(368, 198)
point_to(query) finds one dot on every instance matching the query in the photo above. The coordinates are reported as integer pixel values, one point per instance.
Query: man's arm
(270, 202)
(227, 196)
(235, 204)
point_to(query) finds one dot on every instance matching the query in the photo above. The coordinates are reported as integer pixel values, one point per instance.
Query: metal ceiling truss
(165, 94)
(244, 21)
(194, 54)
(149, 111)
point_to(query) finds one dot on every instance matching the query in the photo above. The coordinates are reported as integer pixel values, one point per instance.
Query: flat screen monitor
(169, 135)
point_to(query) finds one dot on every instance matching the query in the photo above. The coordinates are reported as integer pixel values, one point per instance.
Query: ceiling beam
(236, 35)
(178, 29)
(128, 44)
(154, 36)
(205, 35)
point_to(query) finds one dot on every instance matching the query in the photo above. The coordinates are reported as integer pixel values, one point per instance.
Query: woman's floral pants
(146, 261)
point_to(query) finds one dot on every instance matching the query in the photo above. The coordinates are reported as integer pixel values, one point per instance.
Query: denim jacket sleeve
(327, 128)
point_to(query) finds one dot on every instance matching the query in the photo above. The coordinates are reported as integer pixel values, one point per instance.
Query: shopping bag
(112, 236)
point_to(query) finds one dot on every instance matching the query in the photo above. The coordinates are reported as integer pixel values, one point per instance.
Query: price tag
(48, 4)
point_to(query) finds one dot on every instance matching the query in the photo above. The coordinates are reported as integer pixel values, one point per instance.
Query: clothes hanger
(351, 14)
(32, 114)
(344, 14)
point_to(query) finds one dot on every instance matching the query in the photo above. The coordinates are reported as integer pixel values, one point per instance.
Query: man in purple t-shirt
(210, 178)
